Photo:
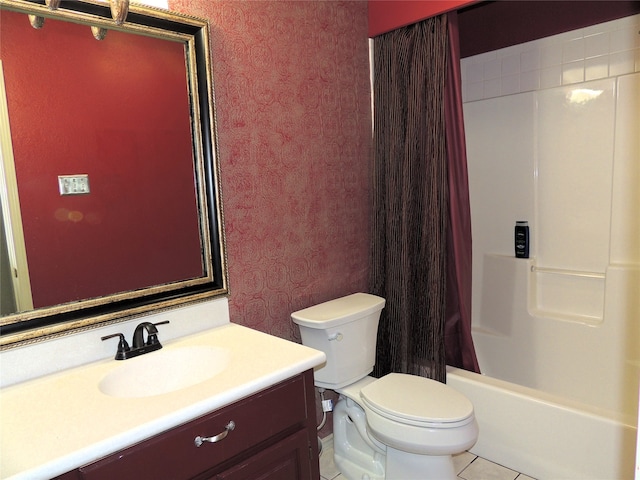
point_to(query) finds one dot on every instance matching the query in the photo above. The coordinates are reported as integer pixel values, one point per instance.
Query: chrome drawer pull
(216, 438)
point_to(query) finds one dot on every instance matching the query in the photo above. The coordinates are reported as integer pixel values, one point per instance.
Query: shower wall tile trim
(600, 51)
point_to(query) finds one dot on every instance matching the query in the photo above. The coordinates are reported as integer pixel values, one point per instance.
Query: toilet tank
(345, 329)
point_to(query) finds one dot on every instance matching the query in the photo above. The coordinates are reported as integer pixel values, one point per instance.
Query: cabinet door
(286, 460)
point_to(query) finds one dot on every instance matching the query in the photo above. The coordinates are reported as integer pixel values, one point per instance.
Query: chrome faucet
(140, 346)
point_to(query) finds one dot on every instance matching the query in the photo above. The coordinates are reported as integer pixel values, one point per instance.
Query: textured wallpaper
(294, 125)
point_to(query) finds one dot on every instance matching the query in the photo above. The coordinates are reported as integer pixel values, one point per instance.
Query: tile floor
(467, 465)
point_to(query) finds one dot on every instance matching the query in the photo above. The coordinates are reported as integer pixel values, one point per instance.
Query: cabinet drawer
(174, 454)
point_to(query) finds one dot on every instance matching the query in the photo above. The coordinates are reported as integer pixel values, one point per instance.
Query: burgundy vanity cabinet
(273, 437)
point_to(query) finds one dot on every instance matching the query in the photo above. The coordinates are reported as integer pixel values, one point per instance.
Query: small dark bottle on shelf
(522, 239)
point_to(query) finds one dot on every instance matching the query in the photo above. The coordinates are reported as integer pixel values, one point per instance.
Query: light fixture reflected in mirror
(36, 21)
(99, 33)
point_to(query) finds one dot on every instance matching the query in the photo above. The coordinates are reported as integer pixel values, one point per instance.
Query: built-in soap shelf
(566, 294)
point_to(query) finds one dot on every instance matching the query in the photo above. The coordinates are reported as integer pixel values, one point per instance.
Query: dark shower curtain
(420, 255)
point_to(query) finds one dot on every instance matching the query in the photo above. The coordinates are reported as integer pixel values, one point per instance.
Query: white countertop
(53, 424)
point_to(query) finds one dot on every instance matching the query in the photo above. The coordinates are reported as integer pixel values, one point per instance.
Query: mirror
(110, 189)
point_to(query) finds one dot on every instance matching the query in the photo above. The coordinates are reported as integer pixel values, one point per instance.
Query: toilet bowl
(398, 427)
(418, 415)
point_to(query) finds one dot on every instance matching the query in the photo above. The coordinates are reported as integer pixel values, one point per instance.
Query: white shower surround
(532, 150)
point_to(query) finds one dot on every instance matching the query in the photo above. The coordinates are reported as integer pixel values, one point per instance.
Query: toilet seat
(417, 401)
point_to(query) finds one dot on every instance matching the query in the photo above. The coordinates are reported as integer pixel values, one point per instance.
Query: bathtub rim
(541, 396)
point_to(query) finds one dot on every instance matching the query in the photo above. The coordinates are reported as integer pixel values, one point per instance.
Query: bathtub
(558, 397)
(545, 436)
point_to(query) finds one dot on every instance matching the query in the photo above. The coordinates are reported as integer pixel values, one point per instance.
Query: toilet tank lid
(339, 311)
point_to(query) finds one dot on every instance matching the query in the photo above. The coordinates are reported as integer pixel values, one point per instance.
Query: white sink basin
(164, 371)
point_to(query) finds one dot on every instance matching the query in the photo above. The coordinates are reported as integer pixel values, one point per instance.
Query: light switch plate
(73, 184)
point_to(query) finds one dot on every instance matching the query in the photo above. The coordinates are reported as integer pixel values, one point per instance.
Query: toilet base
(354, 457)
(359, 456)
(399, 466)
(357, 471)
(410, 466)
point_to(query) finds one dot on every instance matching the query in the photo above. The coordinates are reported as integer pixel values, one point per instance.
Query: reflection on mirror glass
(104, 138)
(117, 111)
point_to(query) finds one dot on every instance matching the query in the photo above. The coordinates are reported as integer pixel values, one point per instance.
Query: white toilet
(398, 427)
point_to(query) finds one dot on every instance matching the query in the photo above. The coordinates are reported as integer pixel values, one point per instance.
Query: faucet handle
(123, 346)
(152, 338)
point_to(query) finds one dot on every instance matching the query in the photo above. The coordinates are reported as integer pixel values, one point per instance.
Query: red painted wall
(134, 142)
(294, 123)
(387, 15)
